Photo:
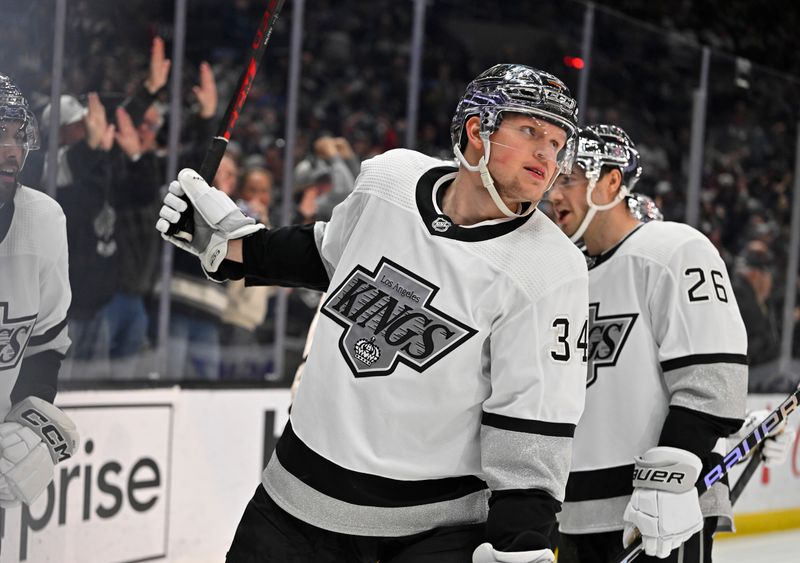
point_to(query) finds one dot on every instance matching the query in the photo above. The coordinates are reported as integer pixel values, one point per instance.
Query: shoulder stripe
(49, 334)
(700, 359)
(600, 483)
(365, 489)
(557, 429)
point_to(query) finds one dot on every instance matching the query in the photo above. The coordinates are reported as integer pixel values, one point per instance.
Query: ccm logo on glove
(50, 423)
(37, 420)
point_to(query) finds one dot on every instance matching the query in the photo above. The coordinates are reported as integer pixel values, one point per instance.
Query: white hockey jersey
(34, 284)
(444, 361)
(664, 330)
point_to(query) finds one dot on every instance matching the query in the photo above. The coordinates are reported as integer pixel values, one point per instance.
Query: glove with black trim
(33, 438)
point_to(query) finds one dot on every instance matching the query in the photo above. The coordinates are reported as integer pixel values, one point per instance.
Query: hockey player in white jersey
(34, 298)
(667, 370)
(442, 389)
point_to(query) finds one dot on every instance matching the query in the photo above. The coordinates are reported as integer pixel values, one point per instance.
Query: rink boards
(164, 474)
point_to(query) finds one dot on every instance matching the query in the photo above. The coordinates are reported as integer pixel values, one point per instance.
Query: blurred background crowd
(113, 133)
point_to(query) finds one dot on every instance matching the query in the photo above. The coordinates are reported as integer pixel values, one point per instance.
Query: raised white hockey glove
(778, 443)
(664, 506)
(485, 553)
(34, 437)
(217, 219)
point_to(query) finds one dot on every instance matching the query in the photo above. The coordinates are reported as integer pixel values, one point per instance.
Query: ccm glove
(485, 553)
(778, 443)
(34, 437)
(217, 219)
(664, 507)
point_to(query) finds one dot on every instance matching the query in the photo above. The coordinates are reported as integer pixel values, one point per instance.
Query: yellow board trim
(762, 522)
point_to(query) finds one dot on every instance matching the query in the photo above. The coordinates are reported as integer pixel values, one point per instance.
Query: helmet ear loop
(595, 207)
(488, 181)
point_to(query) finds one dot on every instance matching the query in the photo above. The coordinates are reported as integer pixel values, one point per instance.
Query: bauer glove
(664, 506)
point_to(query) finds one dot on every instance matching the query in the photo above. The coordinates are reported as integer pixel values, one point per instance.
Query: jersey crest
(388, 318)
(607, 336)
(14, 336)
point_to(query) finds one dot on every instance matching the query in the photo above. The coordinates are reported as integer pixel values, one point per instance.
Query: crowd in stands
(353, 94)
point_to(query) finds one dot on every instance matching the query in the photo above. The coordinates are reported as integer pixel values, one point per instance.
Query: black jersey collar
(440, 225)
(6, 215)
(594, 261)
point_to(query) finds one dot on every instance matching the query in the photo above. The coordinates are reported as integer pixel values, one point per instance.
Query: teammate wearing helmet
(435, 418)
(34, 298)
(667, 370)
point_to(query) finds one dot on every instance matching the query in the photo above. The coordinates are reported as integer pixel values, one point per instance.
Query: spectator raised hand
(159, 67)
(99, 133)
(206, 92)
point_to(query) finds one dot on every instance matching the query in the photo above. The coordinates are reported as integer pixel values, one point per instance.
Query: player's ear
(613, 183)
(472, 129)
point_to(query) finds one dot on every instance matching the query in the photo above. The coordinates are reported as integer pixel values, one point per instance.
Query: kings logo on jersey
(607, 336)
(388, 319)
(14, 336)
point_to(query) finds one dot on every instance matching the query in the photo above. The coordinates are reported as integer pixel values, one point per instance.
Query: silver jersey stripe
(716, 389)
(605, 515)
(592, 516)
(318, 509)
(518, 460)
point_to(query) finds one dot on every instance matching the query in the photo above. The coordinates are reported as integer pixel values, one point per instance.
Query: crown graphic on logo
(366, 351)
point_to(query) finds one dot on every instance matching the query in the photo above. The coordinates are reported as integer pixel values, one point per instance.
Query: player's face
(12, 140)
(524, 157)
(568, 197)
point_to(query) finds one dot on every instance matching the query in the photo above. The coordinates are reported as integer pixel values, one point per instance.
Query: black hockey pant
(268, 534)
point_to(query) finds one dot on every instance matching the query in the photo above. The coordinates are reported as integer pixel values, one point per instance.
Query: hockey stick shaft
(737, 454)
(747, 474)
(219, 143)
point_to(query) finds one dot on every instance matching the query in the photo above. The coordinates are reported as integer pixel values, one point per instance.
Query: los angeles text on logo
(395, 285)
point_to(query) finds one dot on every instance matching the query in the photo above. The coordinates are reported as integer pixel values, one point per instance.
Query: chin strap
(594, 207)
(486, 178)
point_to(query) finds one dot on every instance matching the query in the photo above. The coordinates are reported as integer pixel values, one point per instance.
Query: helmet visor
(18, 128)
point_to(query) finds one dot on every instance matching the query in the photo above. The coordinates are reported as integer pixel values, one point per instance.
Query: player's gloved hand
(778, 443)
(485, 553)
(217, 219)
(664, 506)
(34, 437)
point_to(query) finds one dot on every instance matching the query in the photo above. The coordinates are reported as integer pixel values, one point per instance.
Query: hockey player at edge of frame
(667, 368)
(34, 298)
(436, 414)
